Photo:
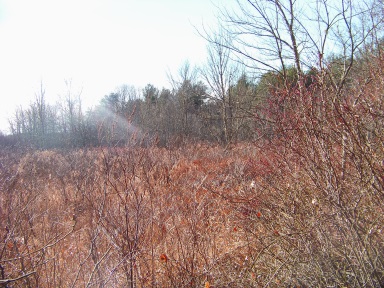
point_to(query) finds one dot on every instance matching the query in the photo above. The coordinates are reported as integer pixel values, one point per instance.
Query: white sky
(97, 44)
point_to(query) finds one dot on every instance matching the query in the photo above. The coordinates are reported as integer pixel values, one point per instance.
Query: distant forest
(187, 111)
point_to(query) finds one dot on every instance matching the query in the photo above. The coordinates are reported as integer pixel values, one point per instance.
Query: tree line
(189, 110)
(200, 106)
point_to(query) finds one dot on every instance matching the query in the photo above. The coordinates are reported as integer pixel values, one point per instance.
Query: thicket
(301, 205)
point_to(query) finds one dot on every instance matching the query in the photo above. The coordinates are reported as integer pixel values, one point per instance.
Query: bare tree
(70, 117)
(220, 73)
(273, 35)
(189, 97)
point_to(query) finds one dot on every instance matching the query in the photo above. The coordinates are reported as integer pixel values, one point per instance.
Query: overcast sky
(97, 44)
